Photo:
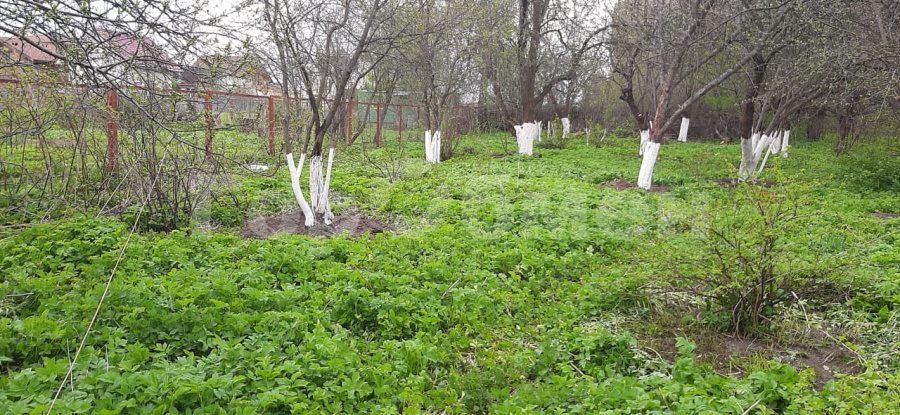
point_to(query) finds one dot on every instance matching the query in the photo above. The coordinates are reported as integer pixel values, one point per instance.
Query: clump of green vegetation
(505, 288)
(871, 171)
(751, 255)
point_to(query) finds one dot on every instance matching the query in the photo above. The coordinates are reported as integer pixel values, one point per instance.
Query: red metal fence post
(271, 118)
(378, 124)
(209, 124)
(112, 132)
(350, 123)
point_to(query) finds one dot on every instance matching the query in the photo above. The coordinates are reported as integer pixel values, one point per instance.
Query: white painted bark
(428, 146)
(328, 216)
(761, 144)
(541, 131)
(566, 127)
(318, 190)
(526, 134)
(682, 134)
(645, 138)
(784, 143)
(295, 170)
(754, 140)
(765, 158)
(775, 145)
(433, 146)
(747, 164)
(751, 155)
(645, 174)
(436, 147)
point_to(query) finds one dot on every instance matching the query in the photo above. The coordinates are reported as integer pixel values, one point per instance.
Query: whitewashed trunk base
(775, 145)
(682, 134)
(784, 143)
(645, 175)
(747, 164)
(295, 170)
(318, 187)
(433, 146)
(566, 127)
(526, 134)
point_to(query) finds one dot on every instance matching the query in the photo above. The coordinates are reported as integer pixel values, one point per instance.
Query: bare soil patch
(732, 182)
(725, 353)
(622, 184)
(737, 356)
(356, 225)
(884, 215)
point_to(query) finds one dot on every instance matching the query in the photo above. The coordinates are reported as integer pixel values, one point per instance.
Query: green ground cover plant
(504, 285)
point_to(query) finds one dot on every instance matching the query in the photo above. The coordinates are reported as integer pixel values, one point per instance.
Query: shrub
(873, 172)
(747, 257)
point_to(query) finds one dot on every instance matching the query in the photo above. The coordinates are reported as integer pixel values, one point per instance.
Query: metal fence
(218, 111)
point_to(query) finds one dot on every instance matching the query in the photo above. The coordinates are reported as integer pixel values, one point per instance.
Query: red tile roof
(27, 51)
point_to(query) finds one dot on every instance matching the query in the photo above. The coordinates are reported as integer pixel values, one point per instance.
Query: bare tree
(324, 50)
(546, 45)
(685, 39)
(439, 58)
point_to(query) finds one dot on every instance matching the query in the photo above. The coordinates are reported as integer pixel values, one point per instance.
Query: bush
(873, 172)
(748, 257)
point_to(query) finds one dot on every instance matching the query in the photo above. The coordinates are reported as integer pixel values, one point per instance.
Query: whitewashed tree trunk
(428, 146)
(295, 170)
(436, 147)
(784, 143)
(318, 187)
(645, 138)
(775, 146)
(328, 216)
(682, 134)
(747, 164)
(433, 146)
(541, 131)
(766, 157)
(645, 175)
(566, 127)
(526, 134)
(754, 140)
(750, 156)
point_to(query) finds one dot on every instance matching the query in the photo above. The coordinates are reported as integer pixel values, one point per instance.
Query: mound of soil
(728, 354)
(825, 359)
(621, 184)
(356, 225)
(885, 216)
(732, 182)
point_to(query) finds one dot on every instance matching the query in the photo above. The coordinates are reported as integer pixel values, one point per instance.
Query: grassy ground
(508, 285)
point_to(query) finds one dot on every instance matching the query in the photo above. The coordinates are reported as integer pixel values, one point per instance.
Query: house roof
(141, 50)
(212, 66)
(27, 50)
